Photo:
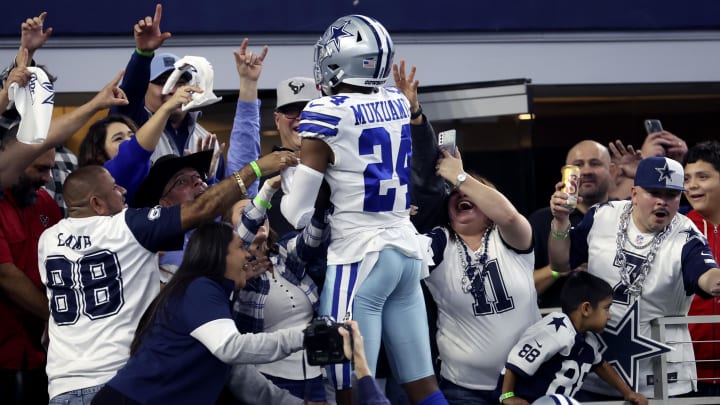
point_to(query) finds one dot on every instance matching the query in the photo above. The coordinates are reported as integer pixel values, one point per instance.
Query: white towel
(202, 76)
(35, 104)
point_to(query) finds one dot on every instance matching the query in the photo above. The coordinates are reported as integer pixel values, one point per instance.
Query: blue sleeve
(204, 301)
(428, 191)
(578, 239)
(130, 166)
(369, 392)
(244, 140)
(438, 243)
(156, 228)
(696, 259)
(135, 84)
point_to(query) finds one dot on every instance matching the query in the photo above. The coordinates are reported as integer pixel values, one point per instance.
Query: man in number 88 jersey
(357, 138)
(101, 270)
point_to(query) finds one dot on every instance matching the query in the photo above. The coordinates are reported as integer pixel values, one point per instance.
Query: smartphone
(446, 141)
(652, 126)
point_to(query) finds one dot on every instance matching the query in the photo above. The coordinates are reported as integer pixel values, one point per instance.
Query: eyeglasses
(291, 113)
(184, 181)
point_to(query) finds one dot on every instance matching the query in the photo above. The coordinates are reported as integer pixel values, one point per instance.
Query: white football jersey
(668, 289)
(476, 332)
(101, 273)
(552, 358)
(369, 135)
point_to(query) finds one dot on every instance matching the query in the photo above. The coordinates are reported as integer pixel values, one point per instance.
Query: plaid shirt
(65, 162)
(301, 255)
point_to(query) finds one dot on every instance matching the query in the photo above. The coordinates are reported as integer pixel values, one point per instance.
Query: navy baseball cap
(660, 173)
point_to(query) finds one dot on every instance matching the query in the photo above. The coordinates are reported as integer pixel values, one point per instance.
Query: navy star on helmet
(659, 172)
(355, 50)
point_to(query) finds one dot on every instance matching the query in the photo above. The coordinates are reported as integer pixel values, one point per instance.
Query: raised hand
(111, 94)
(407, 84)
(625, 158)
(248, 63)
(19, 74)
(32, 36)
(148, 36)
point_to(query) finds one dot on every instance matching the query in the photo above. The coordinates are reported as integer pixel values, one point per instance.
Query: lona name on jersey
(75, 242)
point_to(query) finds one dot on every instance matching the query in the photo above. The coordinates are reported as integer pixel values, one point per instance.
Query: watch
(460, 179)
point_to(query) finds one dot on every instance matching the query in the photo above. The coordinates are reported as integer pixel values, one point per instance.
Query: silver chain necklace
(473, 266)
(634, 288)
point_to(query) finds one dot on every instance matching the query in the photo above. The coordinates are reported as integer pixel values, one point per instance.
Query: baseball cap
(660, 173)
(164, 168)
(296, 90)
(161, 63)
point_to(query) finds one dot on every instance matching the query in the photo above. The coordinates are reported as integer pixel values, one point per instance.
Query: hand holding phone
(653, 126)
(446, 141)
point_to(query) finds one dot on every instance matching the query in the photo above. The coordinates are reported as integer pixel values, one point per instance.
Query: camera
(323, 344)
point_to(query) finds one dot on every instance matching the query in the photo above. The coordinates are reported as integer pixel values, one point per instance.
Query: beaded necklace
(473, 266)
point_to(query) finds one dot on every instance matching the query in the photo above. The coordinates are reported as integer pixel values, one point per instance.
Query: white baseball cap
(296, 90)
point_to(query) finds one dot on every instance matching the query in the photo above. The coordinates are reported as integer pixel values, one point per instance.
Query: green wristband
(555, 274)
(506, 395)
(262, 203)
(144, 53)
(256, 169)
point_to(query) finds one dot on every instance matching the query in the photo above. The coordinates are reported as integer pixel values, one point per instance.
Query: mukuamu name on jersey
(380, 111)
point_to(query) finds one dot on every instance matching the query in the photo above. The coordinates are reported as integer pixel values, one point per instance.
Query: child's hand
(636, 398)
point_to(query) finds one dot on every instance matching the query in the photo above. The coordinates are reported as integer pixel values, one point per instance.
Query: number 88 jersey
(552, 358)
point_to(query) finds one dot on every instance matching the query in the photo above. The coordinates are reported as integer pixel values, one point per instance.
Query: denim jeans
(82, 396)
(457, 395)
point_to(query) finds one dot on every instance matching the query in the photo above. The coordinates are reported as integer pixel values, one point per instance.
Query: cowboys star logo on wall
(623, 347)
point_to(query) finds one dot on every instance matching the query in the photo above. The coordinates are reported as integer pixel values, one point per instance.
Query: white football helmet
(355, 50)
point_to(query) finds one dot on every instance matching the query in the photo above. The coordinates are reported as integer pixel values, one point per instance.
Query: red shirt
(706, 331)
(20, 229)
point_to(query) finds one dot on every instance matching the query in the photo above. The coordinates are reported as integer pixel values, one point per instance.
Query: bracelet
(240, 183)
(559, 235)
(555, 274)
(256, 169)
(417, 113)
(506, 395)
(144, 53)
(257, 200)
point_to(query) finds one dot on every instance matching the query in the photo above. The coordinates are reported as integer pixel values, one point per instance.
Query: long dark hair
(205, 256)
(92, 149)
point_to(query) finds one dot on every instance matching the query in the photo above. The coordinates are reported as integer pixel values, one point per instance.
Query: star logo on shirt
(558, 322)
(336, 33)
(665, 173)
(623, 347)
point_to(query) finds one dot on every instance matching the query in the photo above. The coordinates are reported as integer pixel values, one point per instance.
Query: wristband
(257, 200)
(559, 235)
(555, 274)
(417, 113)
(256, 169)
(145, 53)
(240, 183)
(506, 395)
